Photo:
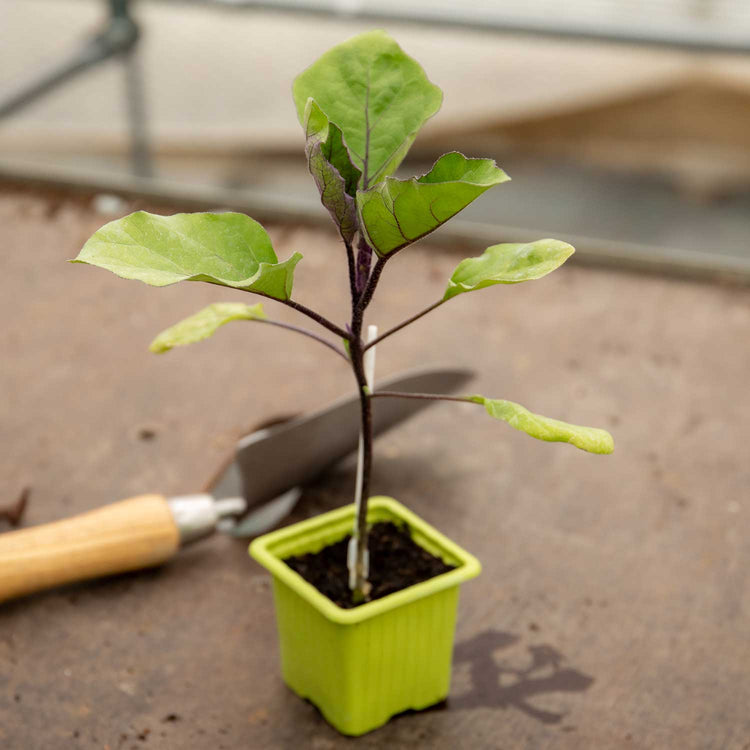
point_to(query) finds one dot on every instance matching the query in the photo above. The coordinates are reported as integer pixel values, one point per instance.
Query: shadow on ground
(497, 685)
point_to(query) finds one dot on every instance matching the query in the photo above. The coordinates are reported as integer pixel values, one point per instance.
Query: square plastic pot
(362, 666)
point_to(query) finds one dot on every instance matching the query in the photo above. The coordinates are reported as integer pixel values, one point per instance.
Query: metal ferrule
(196, 516)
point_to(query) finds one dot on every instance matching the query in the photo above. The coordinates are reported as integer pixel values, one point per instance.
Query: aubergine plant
(361, 105)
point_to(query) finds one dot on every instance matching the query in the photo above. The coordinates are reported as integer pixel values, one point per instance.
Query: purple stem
(403, 324)
(309, 334)
(421, 396)
(364, 260)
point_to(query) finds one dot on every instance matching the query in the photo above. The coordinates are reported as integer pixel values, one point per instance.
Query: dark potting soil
(396, 562)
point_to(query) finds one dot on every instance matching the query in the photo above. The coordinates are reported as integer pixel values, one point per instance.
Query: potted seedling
(357, 643)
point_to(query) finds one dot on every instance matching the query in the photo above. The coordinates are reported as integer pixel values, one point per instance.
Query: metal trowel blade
(271, 463)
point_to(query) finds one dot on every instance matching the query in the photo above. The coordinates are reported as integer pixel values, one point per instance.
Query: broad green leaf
(396, 213)
(378, 95)
(204, 323)
(508, 264)
(589, 439)
(331, 168)
(228, 249)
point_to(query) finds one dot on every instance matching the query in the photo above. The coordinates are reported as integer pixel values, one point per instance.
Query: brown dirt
(396, 562)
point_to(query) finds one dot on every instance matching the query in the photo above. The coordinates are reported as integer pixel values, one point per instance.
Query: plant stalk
(424, 396)
(309, 334)
(403, 324)
(361, 587)
(364, 261)
(352, 272)
(317, 317)
(369, 289)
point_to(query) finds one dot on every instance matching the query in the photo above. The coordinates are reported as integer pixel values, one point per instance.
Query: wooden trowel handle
(131, 534)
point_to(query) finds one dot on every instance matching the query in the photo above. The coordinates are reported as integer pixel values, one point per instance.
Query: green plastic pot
(362, 666)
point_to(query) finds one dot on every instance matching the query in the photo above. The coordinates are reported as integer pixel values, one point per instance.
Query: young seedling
(361, 105)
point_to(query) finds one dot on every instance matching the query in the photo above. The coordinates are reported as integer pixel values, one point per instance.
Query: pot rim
(266, 550)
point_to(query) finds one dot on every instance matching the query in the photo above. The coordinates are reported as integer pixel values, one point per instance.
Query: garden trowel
(253, 492)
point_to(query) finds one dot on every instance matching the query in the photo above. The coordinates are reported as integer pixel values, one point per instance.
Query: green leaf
(228, 249)
(204, 323)
(589, 439)
(396, 213)
(379, 97)
(318, 128)
(508, 264)
(332, 169)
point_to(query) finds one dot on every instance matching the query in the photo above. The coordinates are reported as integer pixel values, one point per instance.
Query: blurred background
(625, 124)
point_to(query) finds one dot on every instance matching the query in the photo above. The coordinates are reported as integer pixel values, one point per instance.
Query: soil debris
(13, 512)
(396, 562)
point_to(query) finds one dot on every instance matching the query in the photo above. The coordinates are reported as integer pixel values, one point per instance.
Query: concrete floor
(613, 606)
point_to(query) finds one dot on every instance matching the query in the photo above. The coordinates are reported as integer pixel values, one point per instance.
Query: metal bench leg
(140, 151)
(118, 38)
